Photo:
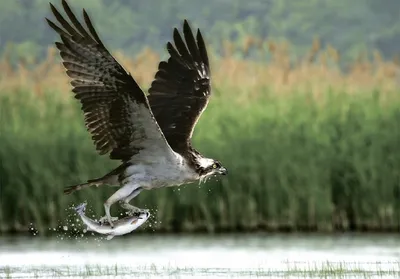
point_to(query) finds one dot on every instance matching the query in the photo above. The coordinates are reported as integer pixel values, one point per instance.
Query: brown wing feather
(116, 110)
(181, 88)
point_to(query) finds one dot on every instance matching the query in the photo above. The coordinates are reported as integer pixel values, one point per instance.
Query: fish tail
(80, 209)
(70, 189)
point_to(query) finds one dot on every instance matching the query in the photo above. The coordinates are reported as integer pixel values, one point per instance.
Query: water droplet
(65, 228)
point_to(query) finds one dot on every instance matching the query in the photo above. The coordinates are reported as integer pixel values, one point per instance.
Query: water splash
(33, 230)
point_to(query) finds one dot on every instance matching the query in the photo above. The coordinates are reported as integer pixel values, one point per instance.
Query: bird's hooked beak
(223, 171)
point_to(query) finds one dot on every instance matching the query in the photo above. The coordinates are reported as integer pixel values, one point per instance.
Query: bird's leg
(122, 193)
(125, 202)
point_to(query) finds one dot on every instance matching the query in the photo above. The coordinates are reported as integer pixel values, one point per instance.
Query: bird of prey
(151, 135)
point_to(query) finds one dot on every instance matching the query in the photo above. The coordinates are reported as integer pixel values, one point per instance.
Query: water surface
(202, 256)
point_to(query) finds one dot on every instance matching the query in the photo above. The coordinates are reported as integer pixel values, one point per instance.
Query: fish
(120, 227)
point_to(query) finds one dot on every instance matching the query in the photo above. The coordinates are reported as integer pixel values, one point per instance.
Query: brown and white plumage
(182, 82)
(116, 110)
(150, 135)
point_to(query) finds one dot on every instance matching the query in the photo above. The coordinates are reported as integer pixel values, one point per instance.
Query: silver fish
(120, 227)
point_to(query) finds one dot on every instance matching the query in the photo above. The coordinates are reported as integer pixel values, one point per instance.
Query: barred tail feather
(70, 189)
(110, 178)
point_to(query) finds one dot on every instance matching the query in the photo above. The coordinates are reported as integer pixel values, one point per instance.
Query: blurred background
(305, 115)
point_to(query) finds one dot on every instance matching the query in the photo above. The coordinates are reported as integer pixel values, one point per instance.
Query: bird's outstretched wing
(181, 89)
(116, 110)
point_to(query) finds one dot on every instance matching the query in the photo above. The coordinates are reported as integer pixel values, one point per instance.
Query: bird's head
(207, 167)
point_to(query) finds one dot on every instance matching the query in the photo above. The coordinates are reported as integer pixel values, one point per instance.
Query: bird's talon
(145, 211)
(130, 213)
(104, 220)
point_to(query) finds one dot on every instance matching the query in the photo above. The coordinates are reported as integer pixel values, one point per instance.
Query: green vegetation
(326, 270)
(350, 26)
(295, 162)
(307, 146)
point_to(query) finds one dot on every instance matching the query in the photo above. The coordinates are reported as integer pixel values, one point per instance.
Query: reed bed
(308, 145)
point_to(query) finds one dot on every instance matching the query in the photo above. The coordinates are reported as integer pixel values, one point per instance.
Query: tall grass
(307, 146)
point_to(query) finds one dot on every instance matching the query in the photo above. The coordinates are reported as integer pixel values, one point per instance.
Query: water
(205, 256)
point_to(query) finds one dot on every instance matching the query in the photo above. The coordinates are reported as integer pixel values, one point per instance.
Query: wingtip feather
(51, 6)
(186, 23)
(91, 28)
(64, 3)
(54, 10)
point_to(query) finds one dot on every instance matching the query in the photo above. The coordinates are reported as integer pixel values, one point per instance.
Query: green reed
(295, 163)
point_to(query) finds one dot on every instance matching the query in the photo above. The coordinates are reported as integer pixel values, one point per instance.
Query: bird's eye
(214, 166)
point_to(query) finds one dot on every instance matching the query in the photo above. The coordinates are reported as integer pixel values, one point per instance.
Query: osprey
(150, 135)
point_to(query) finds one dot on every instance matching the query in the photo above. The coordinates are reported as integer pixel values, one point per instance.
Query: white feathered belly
(161, 173)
